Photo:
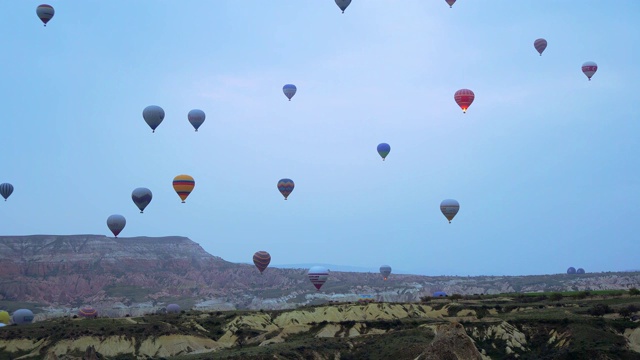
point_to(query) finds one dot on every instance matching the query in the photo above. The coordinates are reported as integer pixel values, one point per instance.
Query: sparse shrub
(583, 294)
(425, 299)
(634, 291)
(455, 297)
(556, 296)
(599, 310)
(628, 310)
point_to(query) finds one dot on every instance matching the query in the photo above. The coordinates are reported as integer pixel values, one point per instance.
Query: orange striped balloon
(261, 259)
(183, 185)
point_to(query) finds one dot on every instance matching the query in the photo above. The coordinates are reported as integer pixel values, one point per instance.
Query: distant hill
(140, 274)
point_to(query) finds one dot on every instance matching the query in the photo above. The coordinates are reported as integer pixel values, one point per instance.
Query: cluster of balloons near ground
(573, 270)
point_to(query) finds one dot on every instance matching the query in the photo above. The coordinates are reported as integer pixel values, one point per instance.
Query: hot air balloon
(383, 150)
(285, 186)
(318, 276)
(196, 118)
(289, 90)
(261, 259)
(141, 197)
(153, 115)
(173, 308)
(343, 4)
(589, 68)
(449, 208)
(183, 185)
(45, 13)
(6, 190)
(5, 319)
(450, 2)
(580, 271)
(439, 294)
(116, 223)
(464, 98)
(540, 45)
(22, 316)
(385, 270)
(88, 312)
(571, 270)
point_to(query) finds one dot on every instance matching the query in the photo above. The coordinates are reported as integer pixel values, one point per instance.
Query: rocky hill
(56, 274)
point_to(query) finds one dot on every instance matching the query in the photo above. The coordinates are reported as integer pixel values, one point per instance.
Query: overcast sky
(544, 164)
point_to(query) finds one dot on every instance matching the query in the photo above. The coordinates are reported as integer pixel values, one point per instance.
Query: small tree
(634, 291)
(555, 296)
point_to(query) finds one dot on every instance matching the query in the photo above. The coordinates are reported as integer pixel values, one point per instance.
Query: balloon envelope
(580, 271)
(589, 68)
(183, 185)
(116, 223)
(449, 208)
(571, 270)
(196, 118)
(173, 308)
(22, 316)
(5, 319)
(540, 45)
(6, 190)
(88, 312)
(289, 90)
(464, 98)
(439, 294)
(383, 150)
(141, 197)
(450, 2)
(343, 4)
(45, 13)
(385, 270)
(285, 186)
(261, 259)
(153, 115)
(318, 276)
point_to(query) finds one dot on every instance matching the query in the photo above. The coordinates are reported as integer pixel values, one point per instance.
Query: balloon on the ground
(22, 317)
(343, 4)
(464, 98)
(571, 270)
(285, 186)
(589, 68)
(289, 90)
(540, 45)
(318, 276)
(383, 150)
(153, 115)
(88, 312)
(141, 197)
(196, 118)
(173, 308)
(580, 271)
(449, 208)
(450, 2)
(116, 223)
(4, 318)
(385, 270)
(439, 294)
(261, 259)
(6, 190)
(183, 185)
(45, 12)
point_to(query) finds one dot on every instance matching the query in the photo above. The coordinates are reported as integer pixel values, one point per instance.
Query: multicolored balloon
(196, 118)
(285, 186)
(449, 208)
(589, 68)
(343, 4)
(141, 197)
(450, 2)
(6, 190)
(385, 270)
(540, 45)
(383, 150)
(318, 275)
(45, 12)
(88, 312)
(153, 115)
(289, 90)
(116, 223)
(183, 185)
(464, 98)
(261, 259)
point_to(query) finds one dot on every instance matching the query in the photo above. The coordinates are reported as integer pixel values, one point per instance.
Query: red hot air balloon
(464, 98)
(589, 68)
(318, 276)
(540, 45)
(261, 259)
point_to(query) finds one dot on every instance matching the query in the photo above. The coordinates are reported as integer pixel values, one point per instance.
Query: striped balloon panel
(589, 68)
(285, 186)
(261, 259)
(540, 45)
(183, 185)
(318, 278)
(88, 312)
(6, 190)
(45, 12)
(464, 98)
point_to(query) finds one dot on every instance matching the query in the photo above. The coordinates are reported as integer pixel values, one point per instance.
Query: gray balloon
(141, 197)
(153, 115)
(196, 118)
(116, 223)
(173, 308)
(343, 4)
(22, 316)
(385, 270)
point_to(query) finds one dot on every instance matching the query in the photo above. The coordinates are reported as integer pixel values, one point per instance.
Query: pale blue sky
(544, 164)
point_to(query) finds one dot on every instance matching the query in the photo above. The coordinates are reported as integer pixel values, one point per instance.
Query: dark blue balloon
(439, 294)
(6, 190)
(141, 197)
(571, 270)
(383, 150)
